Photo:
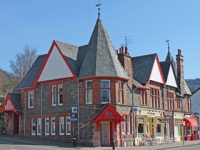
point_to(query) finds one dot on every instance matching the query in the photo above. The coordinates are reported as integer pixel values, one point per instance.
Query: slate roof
(142, 66)
(186, 89)
(32, 74)
(165, 68)
(16, 100)
(170, 59)
(101, 58)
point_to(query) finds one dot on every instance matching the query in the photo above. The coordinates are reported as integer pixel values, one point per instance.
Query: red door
(16, 124)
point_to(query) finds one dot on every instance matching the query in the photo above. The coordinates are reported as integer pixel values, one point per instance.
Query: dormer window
(105, 91)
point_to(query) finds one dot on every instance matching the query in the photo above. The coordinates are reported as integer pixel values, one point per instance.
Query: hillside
(193, 84)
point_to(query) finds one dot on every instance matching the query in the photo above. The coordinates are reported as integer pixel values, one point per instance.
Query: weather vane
(98, 5)
(168, 45)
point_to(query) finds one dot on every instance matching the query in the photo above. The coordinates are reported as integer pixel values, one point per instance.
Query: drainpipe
(41, 110)
(24, 112)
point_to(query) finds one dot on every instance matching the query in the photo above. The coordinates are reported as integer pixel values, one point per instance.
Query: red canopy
(191, 122)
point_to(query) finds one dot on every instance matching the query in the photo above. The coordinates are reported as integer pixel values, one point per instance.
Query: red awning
(191, 122)
(7, 105)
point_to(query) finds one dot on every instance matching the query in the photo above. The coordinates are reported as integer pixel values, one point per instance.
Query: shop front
(169, 124)
(178, 126)
(191, 128)
(149, 125)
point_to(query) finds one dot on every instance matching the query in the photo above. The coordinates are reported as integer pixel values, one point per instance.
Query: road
(195, 147)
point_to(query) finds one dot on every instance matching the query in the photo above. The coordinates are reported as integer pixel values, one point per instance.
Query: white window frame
(60, 125)
(123, 125)
(60, 93)
(33, 123)
(31, 98)
(86, 94)
(39, 126)
(47, 119)
(53, 95)
(120, 92)
(53, 124)
(105, 89)
(68, 125)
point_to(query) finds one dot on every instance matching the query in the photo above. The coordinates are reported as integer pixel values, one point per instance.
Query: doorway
(105, 133)
(16, 123)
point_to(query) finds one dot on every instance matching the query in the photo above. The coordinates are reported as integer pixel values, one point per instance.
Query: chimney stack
(180, 71)
(126, 61)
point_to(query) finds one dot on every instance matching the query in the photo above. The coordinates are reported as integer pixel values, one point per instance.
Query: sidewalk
(155, 147)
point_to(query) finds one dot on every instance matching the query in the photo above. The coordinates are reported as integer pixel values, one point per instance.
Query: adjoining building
(99, 95)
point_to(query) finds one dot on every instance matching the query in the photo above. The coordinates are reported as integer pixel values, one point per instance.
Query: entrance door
(16, 124)
(105, 133)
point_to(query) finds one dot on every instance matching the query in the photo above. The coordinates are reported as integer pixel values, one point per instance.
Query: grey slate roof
(170, 59)
(16, 100)
(32, 74)
(142, 66)
(186, 89)
(101, 58)
(165, 68)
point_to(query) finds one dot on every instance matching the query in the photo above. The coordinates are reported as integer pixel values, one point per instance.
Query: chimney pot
(179, 51)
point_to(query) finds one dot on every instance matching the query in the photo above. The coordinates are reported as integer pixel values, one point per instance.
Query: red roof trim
(3, 108)
(105, 117)
(46, 59)
(160, 70)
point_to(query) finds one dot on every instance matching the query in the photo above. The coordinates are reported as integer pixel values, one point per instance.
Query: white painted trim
(53, 118)
(171, 80)
(39, 122)
(33, 123)
(29, 98)
(60, 119)
(68, 123)
(47, 119)
(87, 93)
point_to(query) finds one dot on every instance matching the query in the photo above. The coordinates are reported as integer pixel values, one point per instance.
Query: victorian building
(98, 94)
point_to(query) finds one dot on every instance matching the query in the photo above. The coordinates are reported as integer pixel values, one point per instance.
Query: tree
(22, 63)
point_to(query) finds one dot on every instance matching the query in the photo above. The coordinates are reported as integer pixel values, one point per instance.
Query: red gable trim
(7, 105)
(109, 113)
(46, 59)
(160, 69)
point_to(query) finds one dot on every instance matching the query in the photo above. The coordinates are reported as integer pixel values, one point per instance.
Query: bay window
(61, 126)
(105, 91)
(88, 92)
(53, 126)
(46, 126)
(33, 126)
(39, 126)
(68, 126)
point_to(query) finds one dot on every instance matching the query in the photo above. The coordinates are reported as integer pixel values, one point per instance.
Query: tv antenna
(98, 5)
(127, 41)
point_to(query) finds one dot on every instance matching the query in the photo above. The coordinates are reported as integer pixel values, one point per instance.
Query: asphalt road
(195, 147)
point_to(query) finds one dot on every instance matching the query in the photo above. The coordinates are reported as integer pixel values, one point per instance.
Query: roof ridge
(153, 54)
(66, 43)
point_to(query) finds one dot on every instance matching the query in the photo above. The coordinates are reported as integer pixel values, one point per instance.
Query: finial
(98, 5)
(168, 45)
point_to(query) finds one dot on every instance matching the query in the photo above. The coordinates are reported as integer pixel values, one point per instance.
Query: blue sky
(148, 23)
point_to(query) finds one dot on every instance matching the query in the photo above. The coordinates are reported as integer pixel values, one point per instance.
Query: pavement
(26, 143)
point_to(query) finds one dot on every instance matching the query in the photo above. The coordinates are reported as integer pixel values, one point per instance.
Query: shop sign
(178, 122)
(179, 115)
(168, 113)
(150, 113)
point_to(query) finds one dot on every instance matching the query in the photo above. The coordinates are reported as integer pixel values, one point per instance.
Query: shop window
(33, 126)
(68, 126)
(88, 92)
(61, 126)
(141, 128)
(46, 126)
(120, 92)
(31, 99)
(60, 94)
(143, 98)
(155, 97)
(105, 91)
(158, 128)
(53, 126)
(39, 126)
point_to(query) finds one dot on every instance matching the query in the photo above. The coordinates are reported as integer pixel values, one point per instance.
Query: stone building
(97, 94)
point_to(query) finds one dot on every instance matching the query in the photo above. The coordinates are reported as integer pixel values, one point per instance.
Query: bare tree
(22, 63)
